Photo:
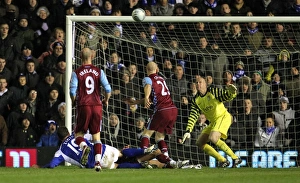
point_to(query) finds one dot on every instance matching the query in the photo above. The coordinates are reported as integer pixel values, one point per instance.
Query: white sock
(98, 157)
(82, 144)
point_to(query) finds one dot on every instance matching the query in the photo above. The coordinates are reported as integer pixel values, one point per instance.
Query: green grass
(73, 174)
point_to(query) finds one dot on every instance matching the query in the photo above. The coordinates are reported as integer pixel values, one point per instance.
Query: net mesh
(210, 49)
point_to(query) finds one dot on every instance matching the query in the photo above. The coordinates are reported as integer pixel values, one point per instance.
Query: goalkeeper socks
(145, 141)
(132, 152)
(224, 147)
(212, 152)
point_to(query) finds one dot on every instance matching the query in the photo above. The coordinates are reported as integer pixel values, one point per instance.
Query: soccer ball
(138, 14)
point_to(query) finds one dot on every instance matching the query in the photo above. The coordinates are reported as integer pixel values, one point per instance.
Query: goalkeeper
(209, 101)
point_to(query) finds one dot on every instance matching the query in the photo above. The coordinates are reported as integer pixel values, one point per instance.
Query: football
(138, 14)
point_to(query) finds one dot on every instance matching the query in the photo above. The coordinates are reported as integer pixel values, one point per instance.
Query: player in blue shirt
(111, 157)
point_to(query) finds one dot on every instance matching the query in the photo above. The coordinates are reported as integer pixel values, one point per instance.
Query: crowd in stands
(263, 63)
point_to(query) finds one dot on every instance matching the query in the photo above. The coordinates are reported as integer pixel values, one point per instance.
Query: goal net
(238, 50)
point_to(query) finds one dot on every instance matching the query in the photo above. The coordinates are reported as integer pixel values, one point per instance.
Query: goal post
(131, 48)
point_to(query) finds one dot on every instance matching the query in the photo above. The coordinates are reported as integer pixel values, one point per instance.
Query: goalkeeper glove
(187, 135)
(232, 89)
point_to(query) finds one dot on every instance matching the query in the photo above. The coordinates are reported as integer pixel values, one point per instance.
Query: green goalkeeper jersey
(210, 104)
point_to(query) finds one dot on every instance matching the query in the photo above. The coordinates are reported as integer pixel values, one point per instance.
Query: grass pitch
(71, 174)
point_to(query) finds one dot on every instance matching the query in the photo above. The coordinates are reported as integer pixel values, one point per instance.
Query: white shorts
(109, 157)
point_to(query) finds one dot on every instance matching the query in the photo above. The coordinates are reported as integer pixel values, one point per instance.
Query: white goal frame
(70, 37)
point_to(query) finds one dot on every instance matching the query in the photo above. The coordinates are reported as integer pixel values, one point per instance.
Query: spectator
(32, 101)
(253, 35)
(177, 84)
(16, 116)
(266, 53)
(30, 8)
(236, 39)
(47, 108)
(113, 133)
(103, 52)
(281, 65)
(228, 78)
(60, 71)
(7, 45)
(19, 89)
(268, 136)
(294, 9)
(293, 86)
(58, 35)
(137, 130)
(239, 71)
(3, 132)
(278, 90)
(32, 77)
(129, 6)
(225, 9)
(251, 121)
(180, 10)
(58, 13)
(43, 29)
(245, 91)
(192, 90)
(22, 33)
(284, 36)
(47, 83)
(107, 8)
(92, 36)
(85, 8)
(264, 8)
(20, 61)
(95, 11)
(5, 97)
(214, 5)
(23, 135)
(162, 8)
(114, 70)
(210, 80)
(283, 117)
(59, 118)
(50, 137)
(4, 71)
(174, 48)
(211, 59)
(260, 86)
(167, 67)
(11, 15)
(239, 8)
(193, 9)
(126, 89)
(133, 74)
(50, 61)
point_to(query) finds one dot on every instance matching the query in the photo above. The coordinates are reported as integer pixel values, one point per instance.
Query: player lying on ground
(111, 157)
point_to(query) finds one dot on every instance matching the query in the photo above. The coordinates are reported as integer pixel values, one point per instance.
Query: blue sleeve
(130, 165)
(73, 84)
(55, 162)
(104, 82)
(146, 81)
(39, 144)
